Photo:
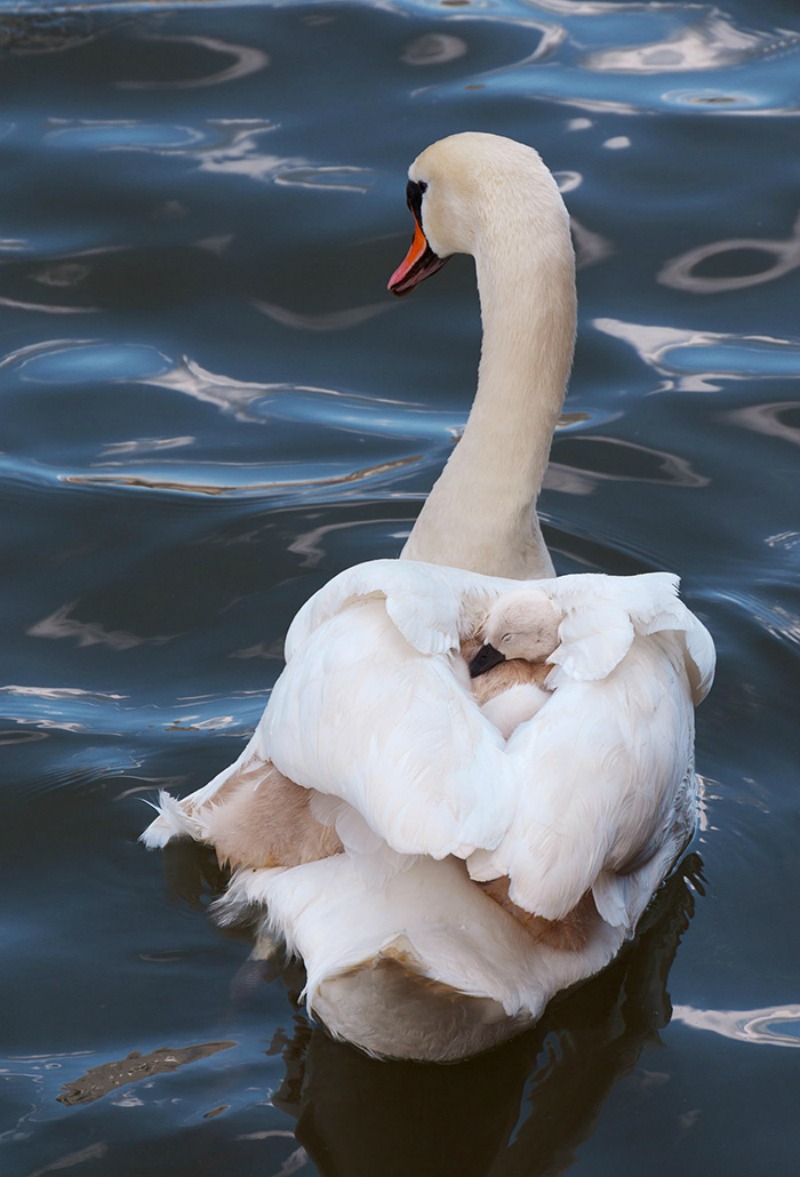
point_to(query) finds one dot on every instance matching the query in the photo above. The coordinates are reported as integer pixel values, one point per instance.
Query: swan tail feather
(173, 821)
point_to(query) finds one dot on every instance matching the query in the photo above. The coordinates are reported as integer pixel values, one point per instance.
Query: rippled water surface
(210, 405)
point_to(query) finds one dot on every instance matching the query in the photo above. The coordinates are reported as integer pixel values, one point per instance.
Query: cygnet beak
(484, 660)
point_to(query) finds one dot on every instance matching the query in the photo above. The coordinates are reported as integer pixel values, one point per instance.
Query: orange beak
(419, 263)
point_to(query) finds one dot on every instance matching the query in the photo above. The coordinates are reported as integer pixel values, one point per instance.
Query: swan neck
(481, 512)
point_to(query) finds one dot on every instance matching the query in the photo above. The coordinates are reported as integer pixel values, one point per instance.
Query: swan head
(522, 624)
(466, 188)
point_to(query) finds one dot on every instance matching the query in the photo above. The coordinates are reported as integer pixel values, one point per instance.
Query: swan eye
(506, 637)
(414, 191)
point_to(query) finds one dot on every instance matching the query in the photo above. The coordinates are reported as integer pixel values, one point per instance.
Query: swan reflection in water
(523, 1108)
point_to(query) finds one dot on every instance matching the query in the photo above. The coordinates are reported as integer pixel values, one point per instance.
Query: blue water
(210, 405)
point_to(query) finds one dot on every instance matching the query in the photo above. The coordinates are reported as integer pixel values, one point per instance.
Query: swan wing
(374, 704)
(361, 714)
(426, 602)
(602, 614)
(600, 773)
(700, 658)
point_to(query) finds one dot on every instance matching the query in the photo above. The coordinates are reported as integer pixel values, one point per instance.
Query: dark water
(210, 405)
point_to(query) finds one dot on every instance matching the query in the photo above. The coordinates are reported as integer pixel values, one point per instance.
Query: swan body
(441, 875)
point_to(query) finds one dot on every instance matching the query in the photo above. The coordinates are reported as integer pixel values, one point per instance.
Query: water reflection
(696, 360)
(83, 360)
(62, 274)
(247, 60)
(434, 49)
(734, 254)
(337, 178)
(124, 135)
(770, 420)
(777, 1025)
(713, 42)
(598, 73)
(62, 624)
(595, 459)
(30, 32)
(522, 1109)
(339, 320)
(46, 308)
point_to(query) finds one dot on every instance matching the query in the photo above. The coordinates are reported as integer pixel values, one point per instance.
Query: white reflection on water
(327, 321)
(782, 256)
(551, 36)
(788, 540)
(17, 304)
(713, 42)
(567, 181)
(237, 396)
(82, 361)
(240, 154)
(142, 445)
(47, 709)
(339, 178)
(222, 146)
(61, 624)
(57, 693)
(310, 544)
(661, 465)
(696, 360)
(767, 420)
(230, 395)
(434, 49)
(61, 274)
(590, 247)
(664, 41)
(247, 60)
(14, 244)
(123, 135)
(777, 1025)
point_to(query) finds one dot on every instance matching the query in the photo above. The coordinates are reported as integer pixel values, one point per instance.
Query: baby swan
(510, 668)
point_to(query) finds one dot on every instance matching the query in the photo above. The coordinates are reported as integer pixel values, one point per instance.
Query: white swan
(440, 882)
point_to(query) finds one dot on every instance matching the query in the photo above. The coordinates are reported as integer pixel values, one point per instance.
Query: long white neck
(481, 513)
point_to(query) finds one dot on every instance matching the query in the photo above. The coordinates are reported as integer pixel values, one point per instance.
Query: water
(210, 405)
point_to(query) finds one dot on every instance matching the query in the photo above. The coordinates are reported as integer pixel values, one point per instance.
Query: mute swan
(519, 634)
(523, 624)
(440, 882)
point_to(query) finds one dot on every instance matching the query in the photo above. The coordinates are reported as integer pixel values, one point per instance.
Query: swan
(440, 881)
(519, 635)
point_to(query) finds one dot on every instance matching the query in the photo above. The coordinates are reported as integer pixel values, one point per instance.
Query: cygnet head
(471, 187)
(521, 624)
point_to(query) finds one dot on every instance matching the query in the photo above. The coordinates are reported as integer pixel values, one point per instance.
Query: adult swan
(440, 882)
